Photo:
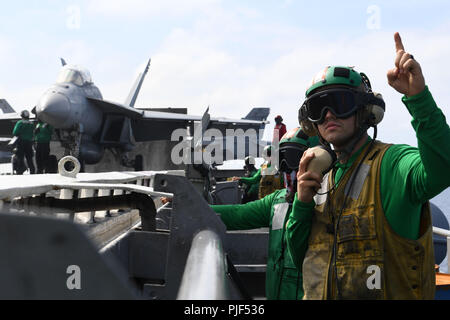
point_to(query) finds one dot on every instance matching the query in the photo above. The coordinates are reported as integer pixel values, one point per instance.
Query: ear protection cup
(376, 111)
(371, 114)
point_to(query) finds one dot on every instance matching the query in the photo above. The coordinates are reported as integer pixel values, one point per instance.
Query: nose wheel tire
(139, 163)
(52, 166)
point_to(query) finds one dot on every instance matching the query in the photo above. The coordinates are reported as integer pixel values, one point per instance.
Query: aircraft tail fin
(5, 107)
(131, 100)
(258, 114)
(63, 62)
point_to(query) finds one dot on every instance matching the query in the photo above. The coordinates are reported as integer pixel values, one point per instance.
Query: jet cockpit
(74, 74)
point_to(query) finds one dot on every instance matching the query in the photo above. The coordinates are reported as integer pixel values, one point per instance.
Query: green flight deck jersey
(283, 280)
(24, 130)
(252, 182)
(43, 132)
(409, 176)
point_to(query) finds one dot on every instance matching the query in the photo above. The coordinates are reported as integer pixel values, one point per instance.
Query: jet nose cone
(54, 109)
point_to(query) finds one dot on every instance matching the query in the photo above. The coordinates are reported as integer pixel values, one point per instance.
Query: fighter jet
(5, 149)
(86, 124)
(5, 107)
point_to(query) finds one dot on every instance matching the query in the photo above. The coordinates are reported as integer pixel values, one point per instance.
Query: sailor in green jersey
(371, 232)
(24, 131)
(251, 183)
(265, 180)
(283, 280)
(42, 136)
(270, 179)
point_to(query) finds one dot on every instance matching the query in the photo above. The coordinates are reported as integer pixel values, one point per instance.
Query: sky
(230, 55)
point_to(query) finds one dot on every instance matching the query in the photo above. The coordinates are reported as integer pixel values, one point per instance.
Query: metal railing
(444, 233)
(87, 198)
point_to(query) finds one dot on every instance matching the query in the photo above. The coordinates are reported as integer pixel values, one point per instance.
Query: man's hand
(406, 77)
(235, 179)
(308, 182)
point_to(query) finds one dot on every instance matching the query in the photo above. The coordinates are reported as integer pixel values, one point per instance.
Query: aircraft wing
(155, 125)
(117, 108)
(5, 150)
(7, 123)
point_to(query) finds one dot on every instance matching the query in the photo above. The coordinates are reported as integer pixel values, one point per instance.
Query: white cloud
(193, 68)
(282, 83)
(233, 60)
(287, 3)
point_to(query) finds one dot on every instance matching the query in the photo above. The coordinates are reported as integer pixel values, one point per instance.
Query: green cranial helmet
(291, 148)
(297, 136)
(338, 75)
(344, 92)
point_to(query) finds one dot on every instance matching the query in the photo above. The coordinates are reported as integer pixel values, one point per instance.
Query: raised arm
(427, 173)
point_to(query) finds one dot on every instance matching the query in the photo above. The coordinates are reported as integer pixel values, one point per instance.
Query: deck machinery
(108, 236)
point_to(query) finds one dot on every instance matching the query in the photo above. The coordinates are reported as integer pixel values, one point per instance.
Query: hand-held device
(323, 161)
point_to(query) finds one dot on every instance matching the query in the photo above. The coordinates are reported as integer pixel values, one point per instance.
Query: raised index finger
(398, 42)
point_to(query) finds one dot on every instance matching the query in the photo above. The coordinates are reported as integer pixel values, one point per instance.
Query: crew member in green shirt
(371, 231)
(42, 136)
(283, 280)
(251, 184)
(24, 131)
(270, 179)
(265, 180)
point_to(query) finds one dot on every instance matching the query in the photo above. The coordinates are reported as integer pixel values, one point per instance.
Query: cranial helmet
(249, 161)
(25, 114)
(279, 119)
(291, 148)
(344, 92)
(267, 152)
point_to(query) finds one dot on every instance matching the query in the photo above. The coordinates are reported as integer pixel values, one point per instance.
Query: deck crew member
(24, 131)
(371, 235)
(279, 131)
(42, 136)
(270, 179)
(283, 280)
(251, 184)
(265, 180)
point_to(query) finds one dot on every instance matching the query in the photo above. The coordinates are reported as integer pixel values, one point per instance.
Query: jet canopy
(75, 75)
